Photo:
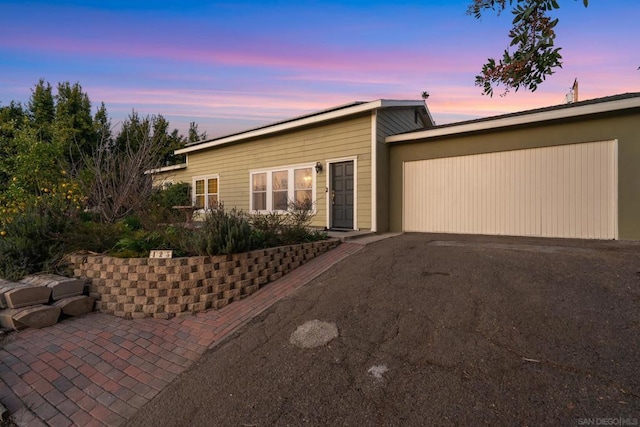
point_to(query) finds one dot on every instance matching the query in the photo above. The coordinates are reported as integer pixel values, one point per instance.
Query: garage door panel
(560, 191)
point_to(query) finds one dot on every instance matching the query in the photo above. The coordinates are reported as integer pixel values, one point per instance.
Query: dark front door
(342, 195)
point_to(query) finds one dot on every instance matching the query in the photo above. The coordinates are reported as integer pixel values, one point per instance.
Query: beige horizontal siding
(339, 139)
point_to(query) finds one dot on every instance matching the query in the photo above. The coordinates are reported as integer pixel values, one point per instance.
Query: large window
(303, 182)
(280, 190)
(275, 190)
(259, 191)
(205, 192)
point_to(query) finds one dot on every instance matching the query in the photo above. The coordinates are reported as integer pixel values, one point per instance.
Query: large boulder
(61, 287)
(75, 306)
(17, 295)
(37, 316)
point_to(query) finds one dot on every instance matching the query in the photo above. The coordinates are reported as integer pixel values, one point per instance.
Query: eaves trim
(304, 121)
(503, 122)
(166, 168)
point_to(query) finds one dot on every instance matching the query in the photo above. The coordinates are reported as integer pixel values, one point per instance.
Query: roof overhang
(166, 169)
(517, 120)
(301, 122)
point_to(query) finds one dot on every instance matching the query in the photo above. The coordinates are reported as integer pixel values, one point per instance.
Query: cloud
(236, 65)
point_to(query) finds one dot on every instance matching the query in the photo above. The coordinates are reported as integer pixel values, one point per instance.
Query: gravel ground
(435, 330)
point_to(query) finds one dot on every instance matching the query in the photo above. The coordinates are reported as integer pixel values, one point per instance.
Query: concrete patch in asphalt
(314, 333)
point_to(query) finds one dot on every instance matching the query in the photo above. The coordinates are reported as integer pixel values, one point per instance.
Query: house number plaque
(157, 253)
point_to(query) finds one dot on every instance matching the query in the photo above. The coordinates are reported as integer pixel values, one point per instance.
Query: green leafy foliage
(160, 208)
(276, 229)
(137, 130)
(67, 184)
(532, 36)
(36, 167)
(12, 120)
(267, 229)
(41, 111)
(37, 180)
(73, 125)
(31, 240)
(138, 244)
(89, 235)
(182, 241)
(224, 232)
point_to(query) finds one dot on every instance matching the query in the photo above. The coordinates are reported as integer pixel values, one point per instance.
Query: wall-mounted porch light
(318, 167)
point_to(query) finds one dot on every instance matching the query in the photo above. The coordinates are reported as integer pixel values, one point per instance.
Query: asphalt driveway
(435, 330)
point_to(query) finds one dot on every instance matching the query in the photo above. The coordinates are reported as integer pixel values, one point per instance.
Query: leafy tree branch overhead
(532, 36)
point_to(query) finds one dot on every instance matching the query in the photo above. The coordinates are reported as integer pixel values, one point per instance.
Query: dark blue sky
(232, 65)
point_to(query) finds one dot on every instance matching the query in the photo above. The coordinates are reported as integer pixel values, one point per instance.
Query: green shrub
(93, 236)
(31, 241)
(224, 232)
(138, 244)
(35, 238)
(276, 229)
(120, 241)
(267, 229)
(174, 195)
(159, 209)
(297, 222)
(132, 222)
(181, 240)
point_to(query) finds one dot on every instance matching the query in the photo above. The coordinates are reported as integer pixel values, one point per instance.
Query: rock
(75, 306)
(6, 319)
(17, 295)
(61, 287)
(38, 316)
(6, 286)
(313, 333)
(378, 371)
(3, 300)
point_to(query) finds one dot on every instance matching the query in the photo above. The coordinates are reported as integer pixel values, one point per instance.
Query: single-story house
(571, 170)
(336, 160)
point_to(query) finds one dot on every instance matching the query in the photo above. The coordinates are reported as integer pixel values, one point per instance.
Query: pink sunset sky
(230, 66)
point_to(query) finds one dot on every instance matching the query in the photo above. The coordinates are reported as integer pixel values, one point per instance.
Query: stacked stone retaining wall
(165, 287)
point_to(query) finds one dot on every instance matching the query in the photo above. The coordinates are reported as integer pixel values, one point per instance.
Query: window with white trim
(205, 192)
(259, 191)
(280, 190)
(275, 189)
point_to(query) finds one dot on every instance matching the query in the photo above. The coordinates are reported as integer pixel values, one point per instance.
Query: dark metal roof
(544, 109)
(316, 113)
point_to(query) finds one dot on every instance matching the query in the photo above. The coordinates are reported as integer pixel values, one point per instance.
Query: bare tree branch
(117, 185)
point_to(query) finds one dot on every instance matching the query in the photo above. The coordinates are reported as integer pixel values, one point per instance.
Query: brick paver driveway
(99, 369)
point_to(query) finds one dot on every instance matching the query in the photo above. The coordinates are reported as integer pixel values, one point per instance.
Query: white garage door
(561, 191)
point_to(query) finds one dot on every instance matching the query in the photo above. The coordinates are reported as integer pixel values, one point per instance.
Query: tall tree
(41, 110)
(39, 143)
(175, 141)
(155, 128)
(102, 125)
(194, 134)
(73, 122)
(39, 165)
(134, 130)
(532, 35)
(12, 120)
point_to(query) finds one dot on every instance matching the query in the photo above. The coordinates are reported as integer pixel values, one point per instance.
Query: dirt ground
(435, 330)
